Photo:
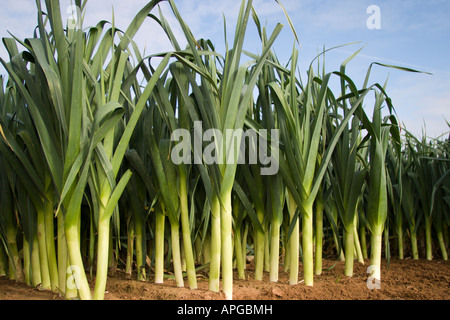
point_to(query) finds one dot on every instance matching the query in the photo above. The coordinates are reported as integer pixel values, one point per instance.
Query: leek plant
(223, 107)
(347, 182)
(302, 114)
(81, 119)
(429, 174)
(395, 190)
(97, 157)
(409, 206)
(377, 202)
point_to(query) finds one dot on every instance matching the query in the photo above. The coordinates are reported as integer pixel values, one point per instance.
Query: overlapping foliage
(88, 183)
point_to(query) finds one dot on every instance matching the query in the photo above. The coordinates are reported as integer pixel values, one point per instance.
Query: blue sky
(413, 33)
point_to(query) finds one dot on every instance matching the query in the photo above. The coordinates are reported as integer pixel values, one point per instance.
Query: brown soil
(403, 280)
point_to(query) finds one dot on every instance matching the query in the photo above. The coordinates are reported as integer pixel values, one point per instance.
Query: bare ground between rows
(402, 280)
